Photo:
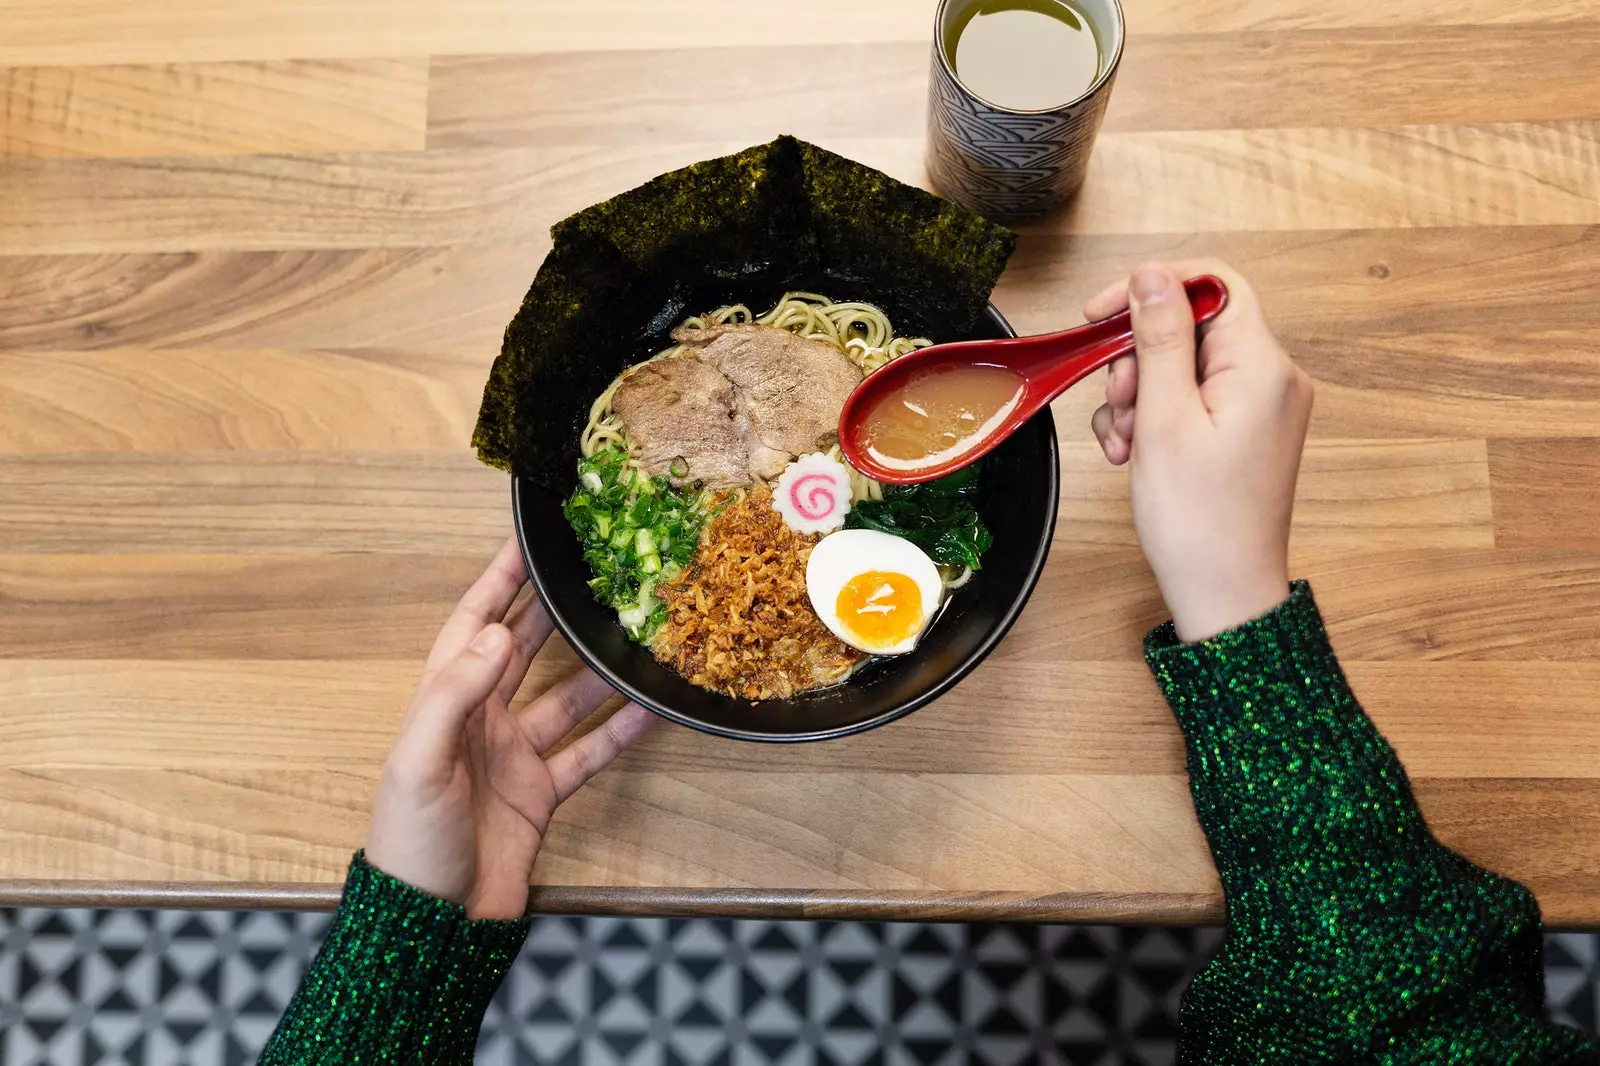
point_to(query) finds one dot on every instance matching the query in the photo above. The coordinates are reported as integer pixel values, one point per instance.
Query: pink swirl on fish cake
(814, 495)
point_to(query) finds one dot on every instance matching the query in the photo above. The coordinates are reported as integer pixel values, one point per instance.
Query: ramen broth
(939, 415)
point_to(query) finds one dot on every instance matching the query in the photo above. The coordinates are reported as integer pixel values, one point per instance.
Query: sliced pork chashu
(789, 389)
(682, 408)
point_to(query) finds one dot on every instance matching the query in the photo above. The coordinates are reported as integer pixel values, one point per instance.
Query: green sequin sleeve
(403, 977)
(1353, 935)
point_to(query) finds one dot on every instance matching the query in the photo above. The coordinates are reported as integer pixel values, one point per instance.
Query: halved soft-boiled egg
(874, 591)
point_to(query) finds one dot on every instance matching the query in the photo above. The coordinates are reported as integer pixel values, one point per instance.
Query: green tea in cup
(1025, 55)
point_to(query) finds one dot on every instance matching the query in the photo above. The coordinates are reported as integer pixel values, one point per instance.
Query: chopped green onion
(679, 467)
(635, 530)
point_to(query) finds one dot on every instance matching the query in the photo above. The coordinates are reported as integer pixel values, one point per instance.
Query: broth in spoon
(938, 414)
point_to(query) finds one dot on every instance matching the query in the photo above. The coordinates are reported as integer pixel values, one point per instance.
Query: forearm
(1282, 762)
(1352, 932)
(402, 977)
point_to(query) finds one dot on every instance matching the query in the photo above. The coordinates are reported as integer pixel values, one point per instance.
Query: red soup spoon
(935, 410)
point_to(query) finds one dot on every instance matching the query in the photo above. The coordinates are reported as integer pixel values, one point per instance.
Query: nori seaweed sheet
(744, 228)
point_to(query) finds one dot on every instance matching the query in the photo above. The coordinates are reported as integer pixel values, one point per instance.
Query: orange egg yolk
(880, 608)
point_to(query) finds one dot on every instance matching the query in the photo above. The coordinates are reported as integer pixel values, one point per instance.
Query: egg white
(849, 552)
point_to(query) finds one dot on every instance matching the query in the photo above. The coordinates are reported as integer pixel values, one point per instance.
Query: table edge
(1136, 908)
(1561, 911)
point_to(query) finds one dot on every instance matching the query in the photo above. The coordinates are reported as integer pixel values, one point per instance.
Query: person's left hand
(467, 793)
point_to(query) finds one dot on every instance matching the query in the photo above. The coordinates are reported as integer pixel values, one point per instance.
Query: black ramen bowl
(1020, 488)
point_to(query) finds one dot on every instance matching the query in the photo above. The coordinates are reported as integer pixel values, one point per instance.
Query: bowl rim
(959, 673)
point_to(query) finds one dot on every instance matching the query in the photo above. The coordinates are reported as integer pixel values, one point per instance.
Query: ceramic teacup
(1005, 163)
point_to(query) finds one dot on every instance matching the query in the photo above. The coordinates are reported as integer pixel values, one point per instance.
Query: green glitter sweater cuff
(403, 977)
(1353, 935)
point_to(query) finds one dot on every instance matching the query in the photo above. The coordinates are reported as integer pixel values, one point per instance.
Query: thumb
(448, 699)
(1163, 337)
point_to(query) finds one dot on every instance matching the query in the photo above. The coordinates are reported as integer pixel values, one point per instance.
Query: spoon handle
(1048, 365)
(1098, 343)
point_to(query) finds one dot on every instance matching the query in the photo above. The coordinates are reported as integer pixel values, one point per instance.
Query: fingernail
(1150, 284)
(488, 642)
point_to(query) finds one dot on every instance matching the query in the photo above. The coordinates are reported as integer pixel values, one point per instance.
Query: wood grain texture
(131, 400)
(1093, 604)
(257, 259)
(485, 101)
(176, 895)
(1506, 382)
(1472, 73)
(1538, 605)
(1546, 493)
(1521, 174)
(1061, 718)
(1319, 287)
(793, 904)
(213, 109)
(1434, 493)
(437, 297)
(360, 605)
(739, 831)
(1330, 283)
(319, 501)
(214, 30)
(1454, 74)
(1341, 177)
(1351, 493)
(349, 200)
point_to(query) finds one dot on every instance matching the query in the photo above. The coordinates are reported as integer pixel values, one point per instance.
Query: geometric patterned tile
(157, 988)
(1572, 979)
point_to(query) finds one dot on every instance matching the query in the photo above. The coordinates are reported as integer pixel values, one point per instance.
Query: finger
(1242, 300)
(1239, 337)
(444, 703)
(1111, 300)
(530, 627)
(1123, 384)
(1122, 423)
(487, 601)
(1163, 337)
(1116, 446)
(1244, 307)
(571, 767)
(553, 715)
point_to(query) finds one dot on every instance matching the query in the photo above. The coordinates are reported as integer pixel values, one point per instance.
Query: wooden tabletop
(255, 259)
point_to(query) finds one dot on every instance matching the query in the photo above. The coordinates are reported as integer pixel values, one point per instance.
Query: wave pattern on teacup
(1006, 165)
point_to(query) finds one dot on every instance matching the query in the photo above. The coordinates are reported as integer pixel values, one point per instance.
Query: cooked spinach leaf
(937, 516)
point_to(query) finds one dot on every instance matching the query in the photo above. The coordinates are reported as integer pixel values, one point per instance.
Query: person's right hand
(1214, 437)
